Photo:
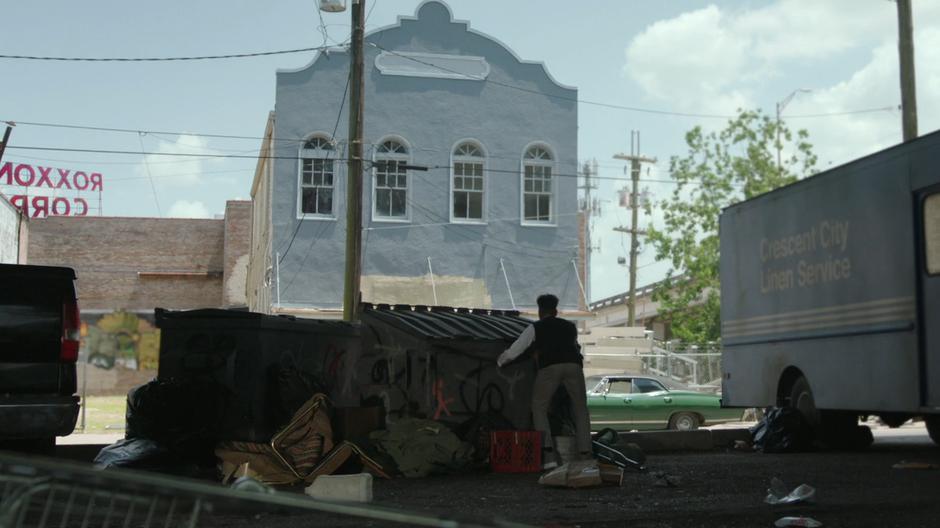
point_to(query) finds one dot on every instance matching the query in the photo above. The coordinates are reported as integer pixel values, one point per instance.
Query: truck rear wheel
(933, 427)
(801, 399)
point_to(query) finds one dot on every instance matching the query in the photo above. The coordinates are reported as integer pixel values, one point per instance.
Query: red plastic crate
(516, 451)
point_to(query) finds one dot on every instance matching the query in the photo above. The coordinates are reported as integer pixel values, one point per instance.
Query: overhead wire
(163, 59)
(153, 187)
(602, 104)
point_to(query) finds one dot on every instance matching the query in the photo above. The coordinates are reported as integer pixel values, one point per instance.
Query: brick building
(126, 267)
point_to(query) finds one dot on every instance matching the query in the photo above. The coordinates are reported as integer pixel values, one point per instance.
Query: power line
(294, 157)
(608, 105)
(157, 133)
(163, 59)
(153, 187)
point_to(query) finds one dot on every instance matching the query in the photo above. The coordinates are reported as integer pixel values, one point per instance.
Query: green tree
(721, 168)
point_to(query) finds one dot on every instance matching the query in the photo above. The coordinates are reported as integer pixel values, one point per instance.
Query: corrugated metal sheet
(438, 322)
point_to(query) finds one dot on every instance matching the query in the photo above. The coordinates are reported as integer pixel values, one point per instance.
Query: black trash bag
(147, 455)
(782, 430)
(610, 447)
(137, 453)
(184, 416)
(289, 389)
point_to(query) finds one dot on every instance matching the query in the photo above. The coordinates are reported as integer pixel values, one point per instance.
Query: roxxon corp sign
(66, 184)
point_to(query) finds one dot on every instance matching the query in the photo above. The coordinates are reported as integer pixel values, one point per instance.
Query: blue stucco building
(492, 223)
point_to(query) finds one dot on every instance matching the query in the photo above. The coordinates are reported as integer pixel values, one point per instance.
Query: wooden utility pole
(351, 287)
(635, 160)
(906, 53)
(6, 139)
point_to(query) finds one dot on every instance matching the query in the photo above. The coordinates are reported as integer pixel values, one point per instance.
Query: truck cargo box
(835, 280)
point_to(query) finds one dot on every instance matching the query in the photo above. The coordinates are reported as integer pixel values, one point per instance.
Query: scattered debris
(777, 494)
(346, 488)
(578, 474)
(904, 464)
(783, 430)
(807, 522)
(611, 474)
(661, 479)
(292, 455)
(423, 447)
(251, 484)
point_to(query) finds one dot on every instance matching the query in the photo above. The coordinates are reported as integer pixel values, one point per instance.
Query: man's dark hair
(547, 303)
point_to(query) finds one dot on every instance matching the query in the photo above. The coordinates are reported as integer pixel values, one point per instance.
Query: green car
(624, 402)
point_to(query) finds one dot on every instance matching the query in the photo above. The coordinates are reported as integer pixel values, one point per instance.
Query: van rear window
(932, 233)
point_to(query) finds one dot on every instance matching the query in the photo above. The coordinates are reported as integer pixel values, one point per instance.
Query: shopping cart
(46, 493)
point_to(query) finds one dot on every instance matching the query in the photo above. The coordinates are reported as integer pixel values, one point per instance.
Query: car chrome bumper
(33, 417)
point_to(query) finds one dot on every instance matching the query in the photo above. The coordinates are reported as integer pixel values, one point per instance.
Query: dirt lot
(716, 489)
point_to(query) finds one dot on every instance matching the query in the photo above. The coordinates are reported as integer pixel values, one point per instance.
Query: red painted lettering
(6, 170)
(40, 205)
(81, 184)
(64, 203)
(63, 180)
(84, 209)
(20, 202)
(96, 181)
(18, 174)
(44, 177)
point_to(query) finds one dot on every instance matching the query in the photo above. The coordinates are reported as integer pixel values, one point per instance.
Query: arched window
(467, 195)
(537, 185)
(316, 177)
(391, 181)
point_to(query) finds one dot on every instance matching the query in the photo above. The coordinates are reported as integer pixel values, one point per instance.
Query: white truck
(830, 292)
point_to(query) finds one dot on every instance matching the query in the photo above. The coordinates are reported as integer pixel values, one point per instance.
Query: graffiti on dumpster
(120, 338)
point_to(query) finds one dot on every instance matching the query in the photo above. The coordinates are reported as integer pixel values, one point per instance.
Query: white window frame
(305, 153)
(551, 164)
(454, 159)
(406, 158)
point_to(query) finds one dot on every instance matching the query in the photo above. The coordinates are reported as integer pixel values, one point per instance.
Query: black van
(39, 341)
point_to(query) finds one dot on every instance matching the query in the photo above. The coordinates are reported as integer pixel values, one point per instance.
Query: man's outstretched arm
(523, 342)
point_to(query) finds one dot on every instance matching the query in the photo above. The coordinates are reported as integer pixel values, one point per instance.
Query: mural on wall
(120, 339)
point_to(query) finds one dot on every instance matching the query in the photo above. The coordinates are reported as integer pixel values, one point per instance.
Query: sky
(679, 56)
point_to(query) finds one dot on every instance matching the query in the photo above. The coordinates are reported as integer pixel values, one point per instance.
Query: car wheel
(933, 427)
(683, 422)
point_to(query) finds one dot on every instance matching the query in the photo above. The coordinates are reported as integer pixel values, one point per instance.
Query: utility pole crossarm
(630, 230)
(630, 157)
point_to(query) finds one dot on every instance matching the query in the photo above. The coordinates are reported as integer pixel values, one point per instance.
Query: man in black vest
(559, 360)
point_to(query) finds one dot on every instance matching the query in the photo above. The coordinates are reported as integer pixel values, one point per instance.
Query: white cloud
(689, 60)
(714, 60)
(170, 171)
(189, 209)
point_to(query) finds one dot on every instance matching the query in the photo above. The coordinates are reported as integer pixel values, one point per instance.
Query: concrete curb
(698, 440)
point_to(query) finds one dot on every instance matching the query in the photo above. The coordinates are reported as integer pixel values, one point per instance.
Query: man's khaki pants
(547, 382)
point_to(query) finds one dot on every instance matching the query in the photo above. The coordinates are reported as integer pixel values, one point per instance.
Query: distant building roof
(621, 298)
(441, 322)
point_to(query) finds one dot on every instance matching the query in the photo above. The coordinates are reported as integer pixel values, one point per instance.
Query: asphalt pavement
(722, 488)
